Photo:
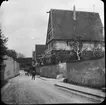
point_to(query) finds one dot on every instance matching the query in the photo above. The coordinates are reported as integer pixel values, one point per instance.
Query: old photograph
(52, 52)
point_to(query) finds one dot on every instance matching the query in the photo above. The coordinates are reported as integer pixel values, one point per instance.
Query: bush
(98, 53)
(65, 56)
(86, 55)
(60, 55)
(69, 56)
(65, 80)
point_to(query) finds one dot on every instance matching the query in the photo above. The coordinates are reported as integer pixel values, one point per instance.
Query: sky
(25, 22)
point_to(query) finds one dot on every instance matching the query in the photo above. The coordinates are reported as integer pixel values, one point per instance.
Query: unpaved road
(23, 90)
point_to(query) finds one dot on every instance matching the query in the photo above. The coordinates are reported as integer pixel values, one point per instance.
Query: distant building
(33, 55)
(39, 51)
(25, 62)
(65, 25)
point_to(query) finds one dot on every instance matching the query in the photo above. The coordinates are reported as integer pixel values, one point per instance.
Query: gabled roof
(88, 25)
(39, 49)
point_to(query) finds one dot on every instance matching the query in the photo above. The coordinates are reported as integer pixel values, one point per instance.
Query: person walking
(33, 69)
(33, 74)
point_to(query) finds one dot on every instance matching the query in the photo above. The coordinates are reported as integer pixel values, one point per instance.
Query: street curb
(73, 89)
(5, 87)
(14, 76)
(43, 79)
(8, 83)
(80, 91)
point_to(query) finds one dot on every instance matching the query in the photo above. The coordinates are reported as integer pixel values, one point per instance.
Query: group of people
(32, 71)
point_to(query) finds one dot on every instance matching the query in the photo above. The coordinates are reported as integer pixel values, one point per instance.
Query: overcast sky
(25, 22)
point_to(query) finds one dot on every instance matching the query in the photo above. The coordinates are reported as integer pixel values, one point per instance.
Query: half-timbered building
(65, 25)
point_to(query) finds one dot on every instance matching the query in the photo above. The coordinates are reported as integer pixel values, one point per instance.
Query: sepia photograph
(52, 52)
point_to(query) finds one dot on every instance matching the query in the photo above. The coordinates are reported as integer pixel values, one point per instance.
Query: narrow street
(23, 90)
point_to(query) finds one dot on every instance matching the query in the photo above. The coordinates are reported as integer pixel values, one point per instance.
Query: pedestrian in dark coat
(33, 74)
(33, 69)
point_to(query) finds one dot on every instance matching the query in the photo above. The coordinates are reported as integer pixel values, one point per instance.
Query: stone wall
(89, 73)
(11, 69)
(63, 69)
(53, 70)
(49, 71)
(38, 70)
(61, 45)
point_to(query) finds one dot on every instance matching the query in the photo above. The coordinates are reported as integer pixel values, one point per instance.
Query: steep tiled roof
(87, 25)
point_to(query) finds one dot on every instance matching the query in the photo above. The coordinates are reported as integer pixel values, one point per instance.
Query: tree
(77, 46)
(12, 53)
(20, 55)
(3, 41)
(98, 50)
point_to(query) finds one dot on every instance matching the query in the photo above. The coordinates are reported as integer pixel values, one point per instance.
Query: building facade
(39, 51)
(64, 26)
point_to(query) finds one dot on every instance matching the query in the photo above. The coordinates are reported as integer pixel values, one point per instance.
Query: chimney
(93, 8)
(74, 13)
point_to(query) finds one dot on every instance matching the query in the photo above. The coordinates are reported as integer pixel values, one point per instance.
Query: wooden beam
(49, 31)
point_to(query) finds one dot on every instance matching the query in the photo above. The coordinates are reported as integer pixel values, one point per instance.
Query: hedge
(68, 56)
